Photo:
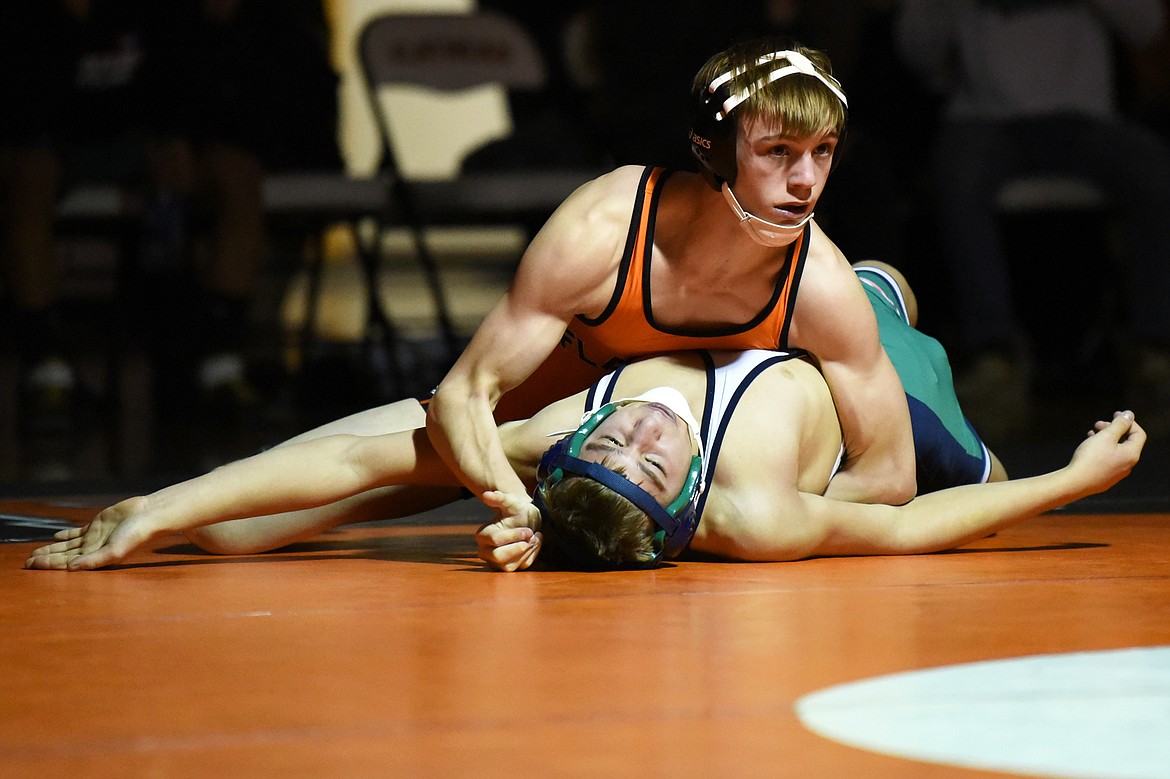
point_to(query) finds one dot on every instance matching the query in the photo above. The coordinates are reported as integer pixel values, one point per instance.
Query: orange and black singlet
(626, 329)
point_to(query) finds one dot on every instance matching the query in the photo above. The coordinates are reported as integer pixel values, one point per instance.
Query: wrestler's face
(651, 443)
(780, 176)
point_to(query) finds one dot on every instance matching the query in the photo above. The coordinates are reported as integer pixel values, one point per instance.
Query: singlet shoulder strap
(641, 221)
(725, 388)
(791, 283)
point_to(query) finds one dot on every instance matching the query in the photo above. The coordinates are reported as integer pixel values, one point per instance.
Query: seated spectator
(1031, 90)
(183, 105)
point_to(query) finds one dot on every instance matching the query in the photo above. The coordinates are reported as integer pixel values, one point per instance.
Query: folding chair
(447, 56)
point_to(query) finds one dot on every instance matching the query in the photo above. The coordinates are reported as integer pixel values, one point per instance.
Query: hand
(112, 535)
(512, 541)
(1109, 452)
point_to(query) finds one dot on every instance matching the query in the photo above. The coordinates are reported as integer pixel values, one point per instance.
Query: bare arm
(838, 326)
(567, 270)
(287, 478)
(512, 541)
(817, 526)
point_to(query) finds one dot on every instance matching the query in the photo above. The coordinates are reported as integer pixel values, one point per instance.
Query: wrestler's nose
(803, 173)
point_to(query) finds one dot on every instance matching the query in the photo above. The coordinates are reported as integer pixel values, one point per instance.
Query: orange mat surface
(384, 650)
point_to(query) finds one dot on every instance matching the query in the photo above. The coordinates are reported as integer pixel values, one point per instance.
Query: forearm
(463, 431)
(957, 516)
(816, 526)
(884, 471)
(873, 481)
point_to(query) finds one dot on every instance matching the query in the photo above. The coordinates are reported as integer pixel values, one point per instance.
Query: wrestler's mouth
(664, 410)
(792, 210)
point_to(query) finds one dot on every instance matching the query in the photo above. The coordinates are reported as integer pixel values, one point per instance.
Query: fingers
(72, 532)
(1120, 424)
(512, 557)
(498, 534)
(528, 557)
(49, 561)
(506, 547)
(508, 504)
(55, 556)
(1135, 436)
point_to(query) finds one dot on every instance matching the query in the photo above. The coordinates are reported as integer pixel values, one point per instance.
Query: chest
(708, 289)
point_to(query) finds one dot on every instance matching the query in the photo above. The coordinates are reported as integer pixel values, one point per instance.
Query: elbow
(457, 392)
(901, 486)
(449, 401)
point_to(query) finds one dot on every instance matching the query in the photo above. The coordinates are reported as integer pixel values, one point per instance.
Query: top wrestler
(647, 261)
(772, 442)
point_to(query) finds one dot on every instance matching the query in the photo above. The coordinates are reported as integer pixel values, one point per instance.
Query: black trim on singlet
(764, 313)
(716, 443)
(628, 253)
(797, 275)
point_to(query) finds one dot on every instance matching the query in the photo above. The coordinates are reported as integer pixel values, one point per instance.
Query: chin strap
(748, 220)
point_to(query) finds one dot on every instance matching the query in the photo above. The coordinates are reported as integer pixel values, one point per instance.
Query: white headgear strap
(748, 218)
(797, 63)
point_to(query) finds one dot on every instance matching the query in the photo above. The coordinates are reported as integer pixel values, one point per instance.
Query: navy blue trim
(622, 486)
(714, 446)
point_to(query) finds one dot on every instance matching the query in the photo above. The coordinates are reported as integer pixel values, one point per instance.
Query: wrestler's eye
(610, 439)
(656, 464)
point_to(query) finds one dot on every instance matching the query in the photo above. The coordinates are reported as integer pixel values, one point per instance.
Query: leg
(908, 297)
(971, 162)
(998, 472)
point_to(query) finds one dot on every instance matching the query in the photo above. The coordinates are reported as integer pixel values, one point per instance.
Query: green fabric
(921, 361)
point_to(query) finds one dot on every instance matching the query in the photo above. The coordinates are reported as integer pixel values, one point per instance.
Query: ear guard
(676, 523)
(712, 133)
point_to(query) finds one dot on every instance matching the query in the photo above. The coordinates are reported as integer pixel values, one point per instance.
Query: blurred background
(225, 222)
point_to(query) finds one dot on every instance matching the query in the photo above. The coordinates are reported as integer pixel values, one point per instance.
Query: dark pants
(1127, 162)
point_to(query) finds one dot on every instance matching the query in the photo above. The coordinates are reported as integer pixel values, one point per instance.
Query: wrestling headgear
(675, 523)
(712, 133)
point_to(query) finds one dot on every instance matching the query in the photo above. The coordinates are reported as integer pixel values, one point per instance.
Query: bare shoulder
(782, 402)
(575, 256)
(831, 304)
(827, 272)
(602, 201)
(782, 440)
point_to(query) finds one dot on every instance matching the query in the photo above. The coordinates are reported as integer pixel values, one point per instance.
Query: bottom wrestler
(772, 441)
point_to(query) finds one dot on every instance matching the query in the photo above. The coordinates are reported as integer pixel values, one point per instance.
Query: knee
(903, 285)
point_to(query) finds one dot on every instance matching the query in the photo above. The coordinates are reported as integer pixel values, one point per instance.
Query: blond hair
(802, 104)
(584, 520)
